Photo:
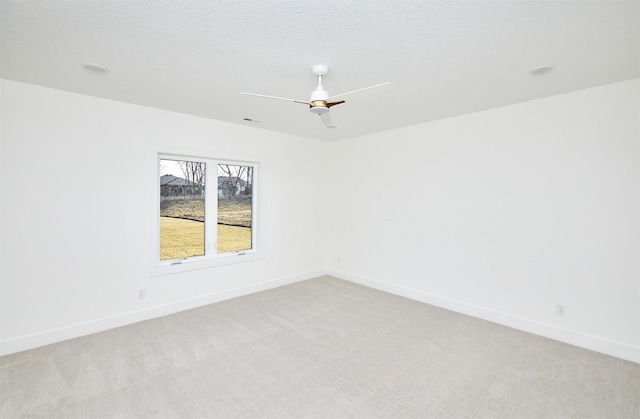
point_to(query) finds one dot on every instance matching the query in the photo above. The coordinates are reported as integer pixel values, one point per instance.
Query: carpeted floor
(322, 348)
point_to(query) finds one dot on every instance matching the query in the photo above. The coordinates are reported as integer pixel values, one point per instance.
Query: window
(207, 211)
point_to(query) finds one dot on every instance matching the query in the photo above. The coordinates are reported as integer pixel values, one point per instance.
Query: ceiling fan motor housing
(318, 101)
(319, 94)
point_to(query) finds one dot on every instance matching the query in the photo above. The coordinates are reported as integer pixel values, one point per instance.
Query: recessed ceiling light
(543, 69)
(95, 67)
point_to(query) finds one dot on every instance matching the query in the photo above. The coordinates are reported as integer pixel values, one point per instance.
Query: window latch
(178, 262)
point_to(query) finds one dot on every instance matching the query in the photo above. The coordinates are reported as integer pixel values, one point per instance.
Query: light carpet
(322, 348)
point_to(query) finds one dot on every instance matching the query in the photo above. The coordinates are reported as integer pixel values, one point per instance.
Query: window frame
(211, 258)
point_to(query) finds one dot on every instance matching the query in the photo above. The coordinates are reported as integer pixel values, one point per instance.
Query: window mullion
(211, 208)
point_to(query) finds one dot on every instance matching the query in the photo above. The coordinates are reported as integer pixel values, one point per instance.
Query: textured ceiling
(442, 58)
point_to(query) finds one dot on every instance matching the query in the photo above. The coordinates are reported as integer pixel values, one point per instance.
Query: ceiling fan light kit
(320, 101)
(319, 107)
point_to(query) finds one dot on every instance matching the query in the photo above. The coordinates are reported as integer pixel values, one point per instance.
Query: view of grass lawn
(182, 227)
(236, 212)
(180, 238)
(184, 238)
(232, 238)
(178, 207)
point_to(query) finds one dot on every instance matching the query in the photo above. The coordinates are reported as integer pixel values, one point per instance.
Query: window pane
(235, 213)
(181, 209)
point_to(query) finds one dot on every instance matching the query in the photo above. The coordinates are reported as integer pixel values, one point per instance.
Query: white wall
(78, 178)
(503, 214)
(500, 214)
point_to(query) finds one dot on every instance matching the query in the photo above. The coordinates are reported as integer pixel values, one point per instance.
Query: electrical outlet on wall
(561, 310)
(142, 294)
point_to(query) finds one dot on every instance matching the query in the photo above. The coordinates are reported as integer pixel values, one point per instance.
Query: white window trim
(168, 267)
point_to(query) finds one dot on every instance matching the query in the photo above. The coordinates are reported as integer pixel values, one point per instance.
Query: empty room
(336, 209)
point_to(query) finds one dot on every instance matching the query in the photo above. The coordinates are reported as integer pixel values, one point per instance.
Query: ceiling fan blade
(330, 104)
(326, 120)
(276, 97)
(380, 87)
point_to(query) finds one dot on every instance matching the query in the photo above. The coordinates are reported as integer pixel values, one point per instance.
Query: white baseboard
(616, 349)
(82, 329)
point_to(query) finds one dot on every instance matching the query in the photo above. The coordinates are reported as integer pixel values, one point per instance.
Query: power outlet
(561, 310)
(142, 294)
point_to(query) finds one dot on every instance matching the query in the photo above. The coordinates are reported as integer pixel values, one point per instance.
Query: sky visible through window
(170, 167)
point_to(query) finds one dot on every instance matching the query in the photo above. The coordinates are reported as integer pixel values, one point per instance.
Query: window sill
(187, 265)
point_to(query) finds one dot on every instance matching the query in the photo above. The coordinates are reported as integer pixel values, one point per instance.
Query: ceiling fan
(320, 101)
